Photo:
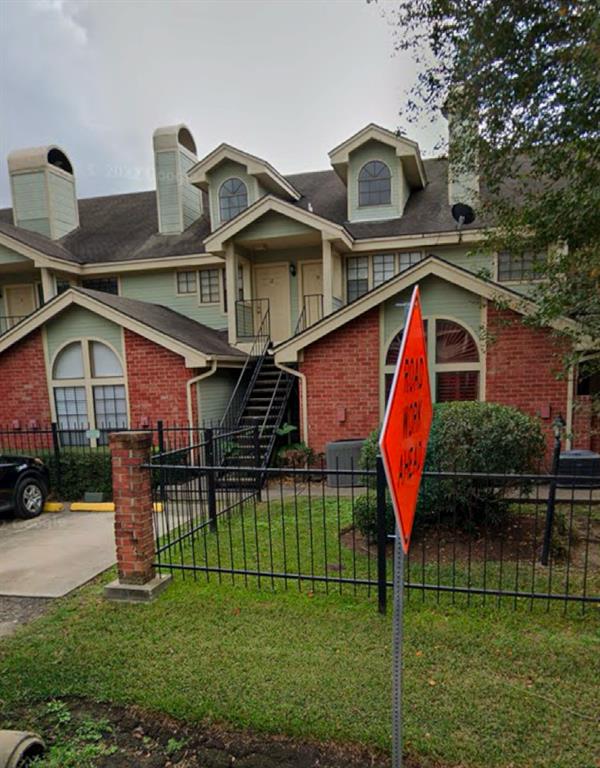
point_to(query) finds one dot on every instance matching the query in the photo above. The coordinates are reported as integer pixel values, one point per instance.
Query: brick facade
(522, 366)
(342, 374)
(157, 381)
(24, 400)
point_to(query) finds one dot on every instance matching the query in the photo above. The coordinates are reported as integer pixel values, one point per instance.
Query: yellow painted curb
(92, 506)
(96, 506)
(54, 506)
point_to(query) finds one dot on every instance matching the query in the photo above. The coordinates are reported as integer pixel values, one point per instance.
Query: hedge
(469, 437)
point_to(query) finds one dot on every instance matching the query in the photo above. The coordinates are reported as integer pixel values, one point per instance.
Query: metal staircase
(256, 410)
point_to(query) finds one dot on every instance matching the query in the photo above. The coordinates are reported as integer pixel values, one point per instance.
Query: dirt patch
(129, 737)
(19, 610)
(520, 540)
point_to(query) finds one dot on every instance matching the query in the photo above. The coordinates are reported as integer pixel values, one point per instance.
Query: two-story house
(121, 310)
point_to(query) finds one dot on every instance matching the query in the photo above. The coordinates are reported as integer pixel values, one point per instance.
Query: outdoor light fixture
(293, 269)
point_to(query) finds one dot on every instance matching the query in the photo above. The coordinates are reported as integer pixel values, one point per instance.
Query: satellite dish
(463, 214)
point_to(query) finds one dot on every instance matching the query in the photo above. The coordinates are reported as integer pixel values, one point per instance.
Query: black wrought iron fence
(78, 455)
(476, 537)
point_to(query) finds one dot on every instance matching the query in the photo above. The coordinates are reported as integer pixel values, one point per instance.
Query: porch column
(327, 277)
(48, 286)
(231, 283)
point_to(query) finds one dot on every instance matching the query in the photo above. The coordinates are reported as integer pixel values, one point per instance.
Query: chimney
(43, 191)
(463, 157)
(179, 202)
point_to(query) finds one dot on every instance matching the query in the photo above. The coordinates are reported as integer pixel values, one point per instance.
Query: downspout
(303, 395)
(190, 383)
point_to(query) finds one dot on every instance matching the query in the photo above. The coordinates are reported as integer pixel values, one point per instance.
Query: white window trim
(219, 301)
(434, 367)
(88, 382)
(370, 266)
(185, 271)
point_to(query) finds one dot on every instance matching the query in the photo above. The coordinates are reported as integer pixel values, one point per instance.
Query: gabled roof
(256, 166)
(406, 150)
(118, 229)
(287, 351)
(216, 241)
(194, 341)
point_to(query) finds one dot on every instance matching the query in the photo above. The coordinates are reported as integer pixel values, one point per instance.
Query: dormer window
(233, 198)
(374, 184)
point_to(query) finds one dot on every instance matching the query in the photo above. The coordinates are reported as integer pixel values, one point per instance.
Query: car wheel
(30, 495)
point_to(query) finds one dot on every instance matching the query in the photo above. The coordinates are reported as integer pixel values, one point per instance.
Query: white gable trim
(216, 241)
(198, 173)
(193, 358)
(405, 149)
(431, 266)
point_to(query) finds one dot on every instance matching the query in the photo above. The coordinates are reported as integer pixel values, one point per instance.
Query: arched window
(233, 198)
(89, 392)
(453, 359)
(374, 184)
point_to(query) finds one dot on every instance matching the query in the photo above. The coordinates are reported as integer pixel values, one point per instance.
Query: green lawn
(482, 687)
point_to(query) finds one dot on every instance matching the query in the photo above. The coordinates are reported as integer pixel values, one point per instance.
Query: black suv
(24, 485)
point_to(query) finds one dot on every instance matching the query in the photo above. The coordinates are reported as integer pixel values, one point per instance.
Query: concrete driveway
(54, 553)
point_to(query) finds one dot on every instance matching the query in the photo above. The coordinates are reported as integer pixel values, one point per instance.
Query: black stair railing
(239, 396)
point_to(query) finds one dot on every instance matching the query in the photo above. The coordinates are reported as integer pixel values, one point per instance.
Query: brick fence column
(134, 530)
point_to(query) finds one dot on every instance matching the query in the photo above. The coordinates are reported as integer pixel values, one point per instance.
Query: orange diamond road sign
(407, 421)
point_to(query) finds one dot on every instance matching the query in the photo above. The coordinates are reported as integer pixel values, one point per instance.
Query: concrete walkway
(54, 553)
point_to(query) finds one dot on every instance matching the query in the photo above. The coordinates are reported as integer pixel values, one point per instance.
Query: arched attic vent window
(453, 359)
(374, 184)
(60, 160)
(185, 138)
(233, 198)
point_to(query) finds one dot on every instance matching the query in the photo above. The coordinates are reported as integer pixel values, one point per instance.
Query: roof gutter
(303, 395)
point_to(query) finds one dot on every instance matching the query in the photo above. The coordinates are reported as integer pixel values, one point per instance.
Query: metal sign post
(397, 623)
(403, 444)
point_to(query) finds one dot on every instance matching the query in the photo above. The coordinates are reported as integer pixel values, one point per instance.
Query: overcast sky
(284, 79)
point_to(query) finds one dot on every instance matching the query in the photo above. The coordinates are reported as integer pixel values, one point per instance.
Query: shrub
(365, 515)
(473, 437)
(80, 471)
(294, 455)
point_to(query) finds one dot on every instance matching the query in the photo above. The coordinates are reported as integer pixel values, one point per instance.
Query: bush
(472, 437)
(294, 455)
(365, 512)
(81, 471)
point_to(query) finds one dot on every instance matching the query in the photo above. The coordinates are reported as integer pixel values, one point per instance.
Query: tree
(529, 70)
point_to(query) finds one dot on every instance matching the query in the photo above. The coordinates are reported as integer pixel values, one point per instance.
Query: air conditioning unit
(582, 466)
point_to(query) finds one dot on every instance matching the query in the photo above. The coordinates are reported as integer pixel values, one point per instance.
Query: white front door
(19, 301)
(272, 282)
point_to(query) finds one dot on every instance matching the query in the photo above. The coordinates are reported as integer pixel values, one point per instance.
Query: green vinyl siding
(214, 394)
(161, 288)
(474, 261)
(76, 323)
(439, 299)
(62, 203)
(191, 197)
(374, 150)
(30, 201)
(220, 174)
(273, 225)
(168, 193)
(7, 256)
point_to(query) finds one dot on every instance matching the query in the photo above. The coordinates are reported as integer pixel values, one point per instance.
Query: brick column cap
(130, 441)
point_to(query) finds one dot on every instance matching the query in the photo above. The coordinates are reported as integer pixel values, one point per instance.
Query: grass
(301, 536)
(481, 687)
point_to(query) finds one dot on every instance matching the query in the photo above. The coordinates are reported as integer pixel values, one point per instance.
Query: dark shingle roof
(179, 327)
(124, 227)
